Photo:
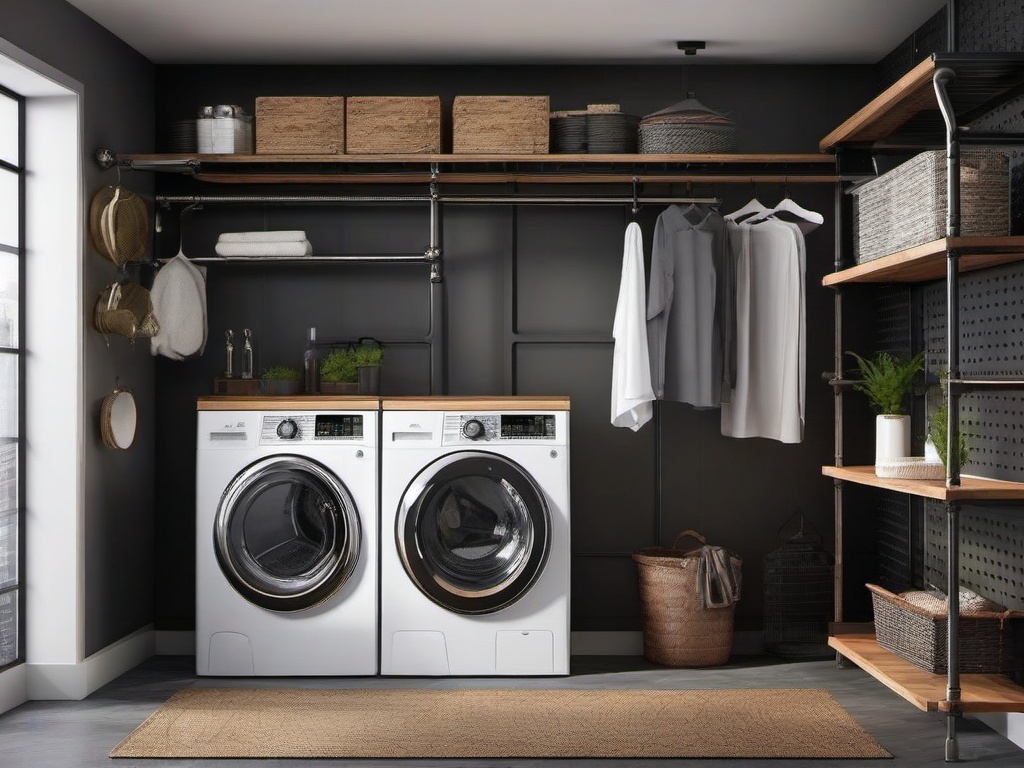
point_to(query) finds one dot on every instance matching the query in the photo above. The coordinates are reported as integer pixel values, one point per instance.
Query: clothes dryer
(286, 536)
(475, 536)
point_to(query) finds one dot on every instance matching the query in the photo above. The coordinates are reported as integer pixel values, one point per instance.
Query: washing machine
(286, 536)
(475, 536)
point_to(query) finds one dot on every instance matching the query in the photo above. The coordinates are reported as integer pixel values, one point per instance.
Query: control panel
(500, 427)
(311, 427)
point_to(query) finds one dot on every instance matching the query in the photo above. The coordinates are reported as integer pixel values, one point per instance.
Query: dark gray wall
(118, 492)
(565, 263)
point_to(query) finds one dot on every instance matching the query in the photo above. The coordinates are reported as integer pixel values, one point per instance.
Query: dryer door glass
(286, 533)
(473, 532)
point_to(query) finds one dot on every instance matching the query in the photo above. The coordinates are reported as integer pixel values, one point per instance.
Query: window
(12, 226)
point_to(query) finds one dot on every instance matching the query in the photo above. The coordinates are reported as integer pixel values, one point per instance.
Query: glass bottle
(311, 365)
(247, 365)
(229, 355)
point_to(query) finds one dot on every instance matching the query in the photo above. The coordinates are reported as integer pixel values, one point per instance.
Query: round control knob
(288, 429)
(473, 429)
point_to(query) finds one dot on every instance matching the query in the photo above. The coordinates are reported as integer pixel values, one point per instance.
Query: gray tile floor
(80, 734)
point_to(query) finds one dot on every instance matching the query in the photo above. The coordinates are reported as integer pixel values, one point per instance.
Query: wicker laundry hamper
(686, 128)
(678, 630)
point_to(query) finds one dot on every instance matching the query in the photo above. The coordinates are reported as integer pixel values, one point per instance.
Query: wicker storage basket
(687, 127)
(381, 125)
(913, 626)
(301, 125)
(678, 631)
(594, 131)
(500, 125)
(907, 206)
(126, 309)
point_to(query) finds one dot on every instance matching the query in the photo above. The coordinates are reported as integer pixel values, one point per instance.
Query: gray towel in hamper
(718, 580)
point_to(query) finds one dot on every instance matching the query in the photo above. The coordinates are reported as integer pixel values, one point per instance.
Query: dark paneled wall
(118, 487)
(549, 275)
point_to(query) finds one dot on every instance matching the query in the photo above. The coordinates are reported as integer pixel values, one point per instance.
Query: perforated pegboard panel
(927, 39)
(991, 344)
(1008, 117)
(893, 319)
(895, 566)
(991, 551)
(990, 25)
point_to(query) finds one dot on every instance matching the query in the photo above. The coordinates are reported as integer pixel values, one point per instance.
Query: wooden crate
(300, 125)
(505, 125)
(382, 125)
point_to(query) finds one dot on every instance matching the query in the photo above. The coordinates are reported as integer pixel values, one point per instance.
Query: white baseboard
(632, 644)
(13, 688)
(175, 643)
(1008, 724)
(76, 681)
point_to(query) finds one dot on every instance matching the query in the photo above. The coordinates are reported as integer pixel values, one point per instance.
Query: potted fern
(886, 380)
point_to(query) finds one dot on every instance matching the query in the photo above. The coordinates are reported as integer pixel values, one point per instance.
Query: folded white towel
(279, 236)
(302, 248)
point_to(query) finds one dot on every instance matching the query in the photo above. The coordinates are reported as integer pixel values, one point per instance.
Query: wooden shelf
(977, 488)
(928, 261)
(927, 691)
(909, 105)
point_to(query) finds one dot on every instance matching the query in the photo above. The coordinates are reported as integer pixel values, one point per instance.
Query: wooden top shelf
(928, 261)
(927, 691)
(977, 488)
(909, 105)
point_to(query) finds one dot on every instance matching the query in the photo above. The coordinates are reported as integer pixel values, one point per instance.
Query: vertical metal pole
(837, 392)
(952, 27)
(942, 78)
(436, 334)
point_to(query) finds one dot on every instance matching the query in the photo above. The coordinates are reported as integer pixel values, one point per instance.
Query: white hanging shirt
(768, 397)
(631, 366)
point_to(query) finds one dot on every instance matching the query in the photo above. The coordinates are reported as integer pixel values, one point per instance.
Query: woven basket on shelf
(910, 468)
(686, 128)
(678, 631)
(913, 626)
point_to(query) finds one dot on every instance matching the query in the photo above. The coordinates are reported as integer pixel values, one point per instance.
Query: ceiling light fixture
(690, 47)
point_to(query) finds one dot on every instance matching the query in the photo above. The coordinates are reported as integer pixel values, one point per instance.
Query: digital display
(527, 425)
(338, 425)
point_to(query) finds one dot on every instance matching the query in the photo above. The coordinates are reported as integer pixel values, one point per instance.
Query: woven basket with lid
(687, 127)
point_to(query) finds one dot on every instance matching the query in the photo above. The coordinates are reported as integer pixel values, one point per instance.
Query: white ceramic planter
(892, 436)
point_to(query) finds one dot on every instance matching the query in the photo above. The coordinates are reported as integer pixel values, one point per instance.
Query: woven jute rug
(288, 722)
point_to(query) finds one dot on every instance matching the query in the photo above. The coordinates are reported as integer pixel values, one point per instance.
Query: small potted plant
(938, 434)
(338, 374)
(886, 380)
(367, 361)
(281, 380)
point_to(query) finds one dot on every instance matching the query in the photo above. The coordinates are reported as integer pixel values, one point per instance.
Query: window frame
(19, 352)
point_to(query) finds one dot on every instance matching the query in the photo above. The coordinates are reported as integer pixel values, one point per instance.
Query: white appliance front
(286, 543)
(475, 543)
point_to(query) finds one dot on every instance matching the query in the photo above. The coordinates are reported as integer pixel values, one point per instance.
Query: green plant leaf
(281, 373)
(886, 379)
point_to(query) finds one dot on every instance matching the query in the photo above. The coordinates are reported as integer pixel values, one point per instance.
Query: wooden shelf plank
(927, 691)
(978, 488)
(287, 403)
(889, 110)
(476, 403)
(928, 261)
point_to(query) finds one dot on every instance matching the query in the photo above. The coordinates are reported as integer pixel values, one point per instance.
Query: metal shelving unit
(931, 104)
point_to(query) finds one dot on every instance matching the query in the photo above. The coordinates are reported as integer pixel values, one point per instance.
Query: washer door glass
(286, 533)
(473, 532)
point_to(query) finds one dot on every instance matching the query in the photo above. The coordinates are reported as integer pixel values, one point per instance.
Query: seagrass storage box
(913, 625)
(393, 125)
(907, 206)
(500, 125)
(300, 125)
(678, 630)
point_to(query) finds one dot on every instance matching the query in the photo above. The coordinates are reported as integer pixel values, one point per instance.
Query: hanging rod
(384, 258)
(451, 199)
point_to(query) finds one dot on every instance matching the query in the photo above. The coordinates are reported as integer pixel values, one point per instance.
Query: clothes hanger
(752, 208)
(790, 211)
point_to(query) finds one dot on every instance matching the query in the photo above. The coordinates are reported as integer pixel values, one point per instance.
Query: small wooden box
(236, 386)
(501, 125)
(393, 125)
(300, 125)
